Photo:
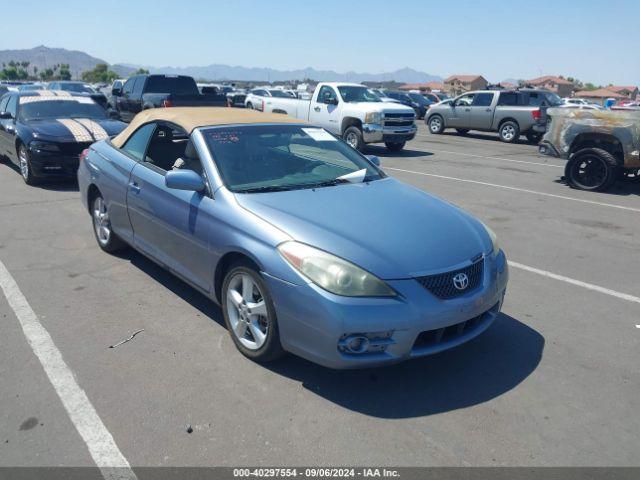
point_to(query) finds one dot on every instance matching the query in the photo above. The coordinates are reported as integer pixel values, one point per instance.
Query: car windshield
(354, 94)
(172, 85)
(279, 94)
(416, 97)
(33, 110)
(262, 158)
(76, 87)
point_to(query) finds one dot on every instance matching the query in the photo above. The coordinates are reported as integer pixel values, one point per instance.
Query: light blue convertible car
(305, 243)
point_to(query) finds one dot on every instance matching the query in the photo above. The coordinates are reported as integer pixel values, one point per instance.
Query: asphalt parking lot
(554, 382)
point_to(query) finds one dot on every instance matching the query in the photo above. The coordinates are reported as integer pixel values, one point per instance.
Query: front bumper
(53, 164)
(313, 322)
(375, 133)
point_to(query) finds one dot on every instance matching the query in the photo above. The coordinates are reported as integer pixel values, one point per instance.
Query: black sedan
(44, 132)
(80, 88)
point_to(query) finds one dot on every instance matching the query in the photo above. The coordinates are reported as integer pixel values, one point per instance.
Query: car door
(168, 224)
(4, 121)
(480, 113)
(326, 114)
(124, 100)
(9, 127)
(458, 113)
(135, 101)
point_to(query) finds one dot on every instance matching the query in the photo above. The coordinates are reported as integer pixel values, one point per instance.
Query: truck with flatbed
(353, 112)
(600, 146)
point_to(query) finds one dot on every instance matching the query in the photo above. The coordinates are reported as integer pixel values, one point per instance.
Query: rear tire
(107, 240)
(591, 169)
(509, 132)
(247, 307)
(394, 146)
(353, 137)
(436, 125)
(462, 131)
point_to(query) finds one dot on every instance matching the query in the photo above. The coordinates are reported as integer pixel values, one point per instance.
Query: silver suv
(511, 113)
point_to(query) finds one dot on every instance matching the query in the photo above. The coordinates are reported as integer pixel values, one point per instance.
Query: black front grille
(442, 286)
(433, 338)
(399, 115)
(398, 123)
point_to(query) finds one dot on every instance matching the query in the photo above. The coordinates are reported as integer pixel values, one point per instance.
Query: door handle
(133, 186)
(488, 110)
(467, 109)
(317, 109)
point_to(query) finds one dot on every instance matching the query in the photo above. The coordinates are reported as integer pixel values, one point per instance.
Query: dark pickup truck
(142, 92)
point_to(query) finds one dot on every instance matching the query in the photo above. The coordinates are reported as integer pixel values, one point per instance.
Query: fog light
(360, 343)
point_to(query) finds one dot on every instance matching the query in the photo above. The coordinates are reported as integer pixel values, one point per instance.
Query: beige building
(630, 92)
(457, 84)
(559, 85)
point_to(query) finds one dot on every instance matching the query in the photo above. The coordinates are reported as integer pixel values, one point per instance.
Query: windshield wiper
(268, 188)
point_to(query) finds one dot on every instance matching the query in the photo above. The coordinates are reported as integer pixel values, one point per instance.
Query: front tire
(353, 137)
(394, 146)
(25, 165)
(105, 236)
(249, 313)
(436, 125)
(591, 169)
(509, 132)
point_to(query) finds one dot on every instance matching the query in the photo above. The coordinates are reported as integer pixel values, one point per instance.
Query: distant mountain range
(43, 57)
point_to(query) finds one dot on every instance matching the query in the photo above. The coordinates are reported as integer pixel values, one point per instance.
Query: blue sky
(593, 40)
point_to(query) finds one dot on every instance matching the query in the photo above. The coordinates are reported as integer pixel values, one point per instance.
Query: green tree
(142, 71)
(100, 74)
(64, 73)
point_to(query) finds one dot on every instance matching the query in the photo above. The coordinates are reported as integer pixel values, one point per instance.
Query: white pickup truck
(353, 112)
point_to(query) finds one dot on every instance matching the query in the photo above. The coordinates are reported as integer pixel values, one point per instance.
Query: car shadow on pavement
(385, 152)
(622, 188)
(476, 372)
(485, 136)
(66, 185)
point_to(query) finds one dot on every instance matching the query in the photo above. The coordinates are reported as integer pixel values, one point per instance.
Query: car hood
(382, 107)
(386, 227)
(61, 129)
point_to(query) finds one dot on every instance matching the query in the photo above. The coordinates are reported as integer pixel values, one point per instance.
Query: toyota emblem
(461, 281)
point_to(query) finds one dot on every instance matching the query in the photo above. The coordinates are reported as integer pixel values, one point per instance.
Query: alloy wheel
(352, 139)
(101, 222)
(247, 310)
(508, 132)
(24, 162)
(434, 124)
(589, 172)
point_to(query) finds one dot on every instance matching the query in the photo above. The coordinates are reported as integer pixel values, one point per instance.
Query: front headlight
(333, 273)
(494, 239)
(373, 117)
(45, 146)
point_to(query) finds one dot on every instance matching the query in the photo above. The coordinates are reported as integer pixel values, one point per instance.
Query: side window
(465, 100)
(168, 148)
(508, 99)
(12, 106)
(326, 92)
(535, 99)
(483, 100)
(128, 86)
(137, 143)
(3, 103)
(137, 88)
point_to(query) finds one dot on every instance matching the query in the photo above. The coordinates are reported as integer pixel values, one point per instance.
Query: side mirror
(184, 180)
(116, 92)
(373, 159)
(5, 116)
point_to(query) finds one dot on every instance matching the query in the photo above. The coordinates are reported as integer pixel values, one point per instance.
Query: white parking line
(589, 286)
(102, 447)
(506, 187)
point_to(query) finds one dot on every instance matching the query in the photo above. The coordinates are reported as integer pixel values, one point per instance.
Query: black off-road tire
(604, 166)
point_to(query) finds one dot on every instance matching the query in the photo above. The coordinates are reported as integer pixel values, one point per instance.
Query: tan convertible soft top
(190, 118)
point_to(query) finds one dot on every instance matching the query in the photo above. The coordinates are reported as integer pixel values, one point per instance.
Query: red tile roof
(599, 93)
(548, 79)
(620, 88)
